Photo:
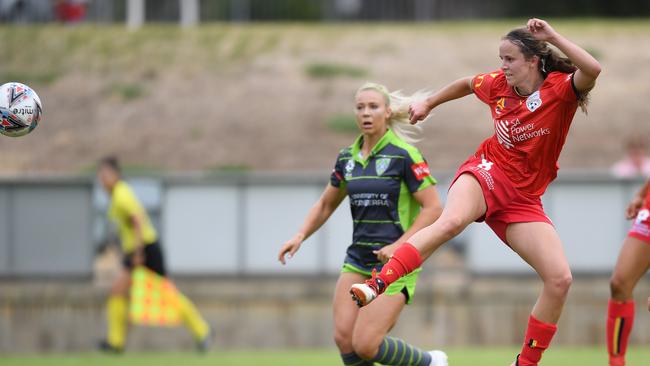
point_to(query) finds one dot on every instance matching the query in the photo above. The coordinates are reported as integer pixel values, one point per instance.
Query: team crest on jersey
(348, 169)
(534, 101)
(381, 165)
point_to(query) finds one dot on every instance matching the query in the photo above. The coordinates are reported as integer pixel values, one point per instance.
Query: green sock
(394, 351)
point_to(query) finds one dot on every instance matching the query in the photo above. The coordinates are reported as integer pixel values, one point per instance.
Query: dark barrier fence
(329, 10)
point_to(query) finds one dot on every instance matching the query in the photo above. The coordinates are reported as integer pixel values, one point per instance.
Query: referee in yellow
(140, 247)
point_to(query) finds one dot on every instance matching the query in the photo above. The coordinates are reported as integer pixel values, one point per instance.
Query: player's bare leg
(633, 262)
(539, 245)
(345, 316)
(465, 204)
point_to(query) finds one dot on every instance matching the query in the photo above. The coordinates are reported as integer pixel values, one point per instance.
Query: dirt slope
(243, 96)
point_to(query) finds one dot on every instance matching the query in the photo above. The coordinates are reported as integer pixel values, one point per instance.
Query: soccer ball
(20, 109)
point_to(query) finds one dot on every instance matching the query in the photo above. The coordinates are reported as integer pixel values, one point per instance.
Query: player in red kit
(532, 98)
(633, 262)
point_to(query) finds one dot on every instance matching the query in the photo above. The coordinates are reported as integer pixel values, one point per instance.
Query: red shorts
(641, 226)
(505, 204)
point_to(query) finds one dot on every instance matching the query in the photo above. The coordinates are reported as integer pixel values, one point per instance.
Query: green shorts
(405, 285)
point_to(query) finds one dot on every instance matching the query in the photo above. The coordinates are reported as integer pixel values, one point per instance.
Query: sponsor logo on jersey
(534, 101)
(640, 225)
(508, 132)
(421, 170)
(642, 216)
(485, 165)
(381, 165)
(502, 128)
(482, 170)
(369, 199)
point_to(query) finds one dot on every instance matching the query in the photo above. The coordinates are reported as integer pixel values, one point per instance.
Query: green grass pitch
(560, 356)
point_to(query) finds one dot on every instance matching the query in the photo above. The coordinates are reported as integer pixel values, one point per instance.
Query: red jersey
(529, 130)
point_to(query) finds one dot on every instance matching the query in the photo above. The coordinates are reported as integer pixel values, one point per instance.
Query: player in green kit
(392, 195)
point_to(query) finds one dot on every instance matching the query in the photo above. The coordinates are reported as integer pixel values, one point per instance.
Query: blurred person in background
(633, 262)
(70, 11)
(392, 195)
(140, 247)
(636, 162)
(532, 98)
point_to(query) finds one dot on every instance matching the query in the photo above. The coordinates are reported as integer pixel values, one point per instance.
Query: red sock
(538, 338)
(620, 317)
(406, 259)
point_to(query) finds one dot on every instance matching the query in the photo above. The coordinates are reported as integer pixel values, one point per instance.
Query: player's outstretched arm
(588, 67)
(418, 111)
(317, 216)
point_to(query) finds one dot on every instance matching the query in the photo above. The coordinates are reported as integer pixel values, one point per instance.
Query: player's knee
(560, 284)
(365, 348)
(343, 339)
(618, 287)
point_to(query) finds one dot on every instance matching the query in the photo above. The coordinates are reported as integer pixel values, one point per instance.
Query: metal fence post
(190, 13)
(135, 14)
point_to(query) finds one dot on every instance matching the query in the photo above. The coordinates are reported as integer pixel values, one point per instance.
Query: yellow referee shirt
(124, 205)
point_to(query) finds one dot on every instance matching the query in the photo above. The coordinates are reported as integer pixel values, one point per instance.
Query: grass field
(637, 356)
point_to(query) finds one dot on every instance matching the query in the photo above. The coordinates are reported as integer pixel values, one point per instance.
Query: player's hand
(385, 253)
(290, 248)
(633, 207)
(418, 111)
(540, 29)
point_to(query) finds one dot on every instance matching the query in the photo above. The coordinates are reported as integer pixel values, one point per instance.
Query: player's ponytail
(549, 59)
(399, 117)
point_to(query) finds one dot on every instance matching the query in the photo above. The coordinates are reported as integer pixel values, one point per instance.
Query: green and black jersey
(380, 189)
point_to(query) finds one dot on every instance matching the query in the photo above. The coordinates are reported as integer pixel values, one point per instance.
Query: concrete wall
(450, 309)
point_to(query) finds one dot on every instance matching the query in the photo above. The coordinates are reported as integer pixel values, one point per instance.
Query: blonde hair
(399, 116)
